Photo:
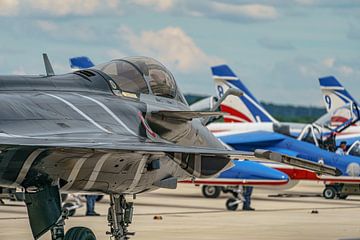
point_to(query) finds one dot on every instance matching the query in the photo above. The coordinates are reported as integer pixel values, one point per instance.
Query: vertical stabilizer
(48, 68)
(245, 108)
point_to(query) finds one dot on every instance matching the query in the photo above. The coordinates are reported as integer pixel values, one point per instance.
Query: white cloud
(65, 7)
(158, 5)
(8, 7)
(170, 45)
(251, 11)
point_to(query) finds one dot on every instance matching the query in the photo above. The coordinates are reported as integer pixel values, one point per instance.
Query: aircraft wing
(196, 160)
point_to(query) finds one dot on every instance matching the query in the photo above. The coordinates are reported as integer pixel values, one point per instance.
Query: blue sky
(278, 48)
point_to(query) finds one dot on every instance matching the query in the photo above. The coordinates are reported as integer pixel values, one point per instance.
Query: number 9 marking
(328, 101)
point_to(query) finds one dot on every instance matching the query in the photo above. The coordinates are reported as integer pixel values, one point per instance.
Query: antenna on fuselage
(48, 67)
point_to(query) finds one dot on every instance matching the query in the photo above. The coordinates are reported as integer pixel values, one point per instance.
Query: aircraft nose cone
(257, 171)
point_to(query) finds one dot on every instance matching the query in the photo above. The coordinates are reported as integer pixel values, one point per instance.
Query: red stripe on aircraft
(298, 174)
(233, 112)
(233, 182)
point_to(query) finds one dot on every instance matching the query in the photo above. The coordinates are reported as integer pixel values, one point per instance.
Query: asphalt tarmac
(187, 215)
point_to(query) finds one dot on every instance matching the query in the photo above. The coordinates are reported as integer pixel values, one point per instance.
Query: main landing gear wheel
(329, 192)
(211, 191)
(79, 233)
(232, 204)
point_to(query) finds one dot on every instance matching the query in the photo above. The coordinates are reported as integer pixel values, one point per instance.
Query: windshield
(126, 76)
(355, 149)
(142, 75)
(161, 81)
(337, 117)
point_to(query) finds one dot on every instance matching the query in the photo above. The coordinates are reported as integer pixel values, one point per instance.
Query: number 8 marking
(220, 90)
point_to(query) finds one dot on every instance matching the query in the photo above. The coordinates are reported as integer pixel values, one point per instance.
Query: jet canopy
(342, 116)
(141, 75)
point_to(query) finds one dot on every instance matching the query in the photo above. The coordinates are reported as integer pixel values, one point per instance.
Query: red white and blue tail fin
(240, 109)
(338, 101)
(334, 94)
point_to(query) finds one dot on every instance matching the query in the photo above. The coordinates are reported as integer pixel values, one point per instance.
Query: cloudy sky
(278, 48)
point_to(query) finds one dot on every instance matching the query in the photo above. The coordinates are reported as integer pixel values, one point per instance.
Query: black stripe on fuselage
(11, 162)
(34, 176)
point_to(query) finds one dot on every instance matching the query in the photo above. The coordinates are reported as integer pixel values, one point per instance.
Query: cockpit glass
(140, 74)
(161, 84)
(355, 150)
(337, 117)
(126, 76)
(161, 81)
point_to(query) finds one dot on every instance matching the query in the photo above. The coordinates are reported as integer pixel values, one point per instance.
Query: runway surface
(187, 215)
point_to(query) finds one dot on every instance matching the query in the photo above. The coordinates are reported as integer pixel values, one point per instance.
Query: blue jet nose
(253, 171)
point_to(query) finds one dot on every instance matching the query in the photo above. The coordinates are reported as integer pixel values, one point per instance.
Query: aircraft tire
(211, 191)
(70, 205)
(329, 192)
(230, 206)
(79, 233)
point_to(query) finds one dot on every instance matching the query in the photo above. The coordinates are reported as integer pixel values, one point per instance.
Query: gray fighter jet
(119, 128)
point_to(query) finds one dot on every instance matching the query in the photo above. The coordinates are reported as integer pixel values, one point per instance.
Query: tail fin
(241, 109)
(83, 62)
(334, 94)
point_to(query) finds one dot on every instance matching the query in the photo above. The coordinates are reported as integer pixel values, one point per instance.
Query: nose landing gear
(233, 203)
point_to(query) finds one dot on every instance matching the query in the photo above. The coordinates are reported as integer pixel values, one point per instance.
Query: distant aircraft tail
(337, 100)
(240, 109)
(83, 62)
(334, 94)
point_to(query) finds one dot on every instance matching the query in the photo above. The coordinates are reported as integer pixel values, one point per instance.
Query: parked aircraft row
(123, 128)
(243, 130)
(248, 126)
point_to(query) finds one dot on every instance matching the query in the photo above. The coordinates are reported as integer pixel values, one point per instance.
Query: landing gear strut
(233, 203)
(119, 217)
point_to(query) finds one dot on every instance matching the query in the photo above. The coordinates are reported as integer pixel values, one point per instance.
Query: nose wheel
(79, 233)
(233, 203)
